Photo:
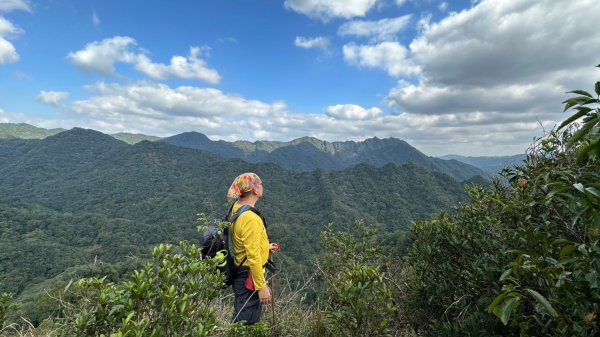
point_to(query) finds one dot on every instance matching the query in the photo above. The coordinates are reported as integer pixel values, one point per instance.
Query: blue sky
(462, 77)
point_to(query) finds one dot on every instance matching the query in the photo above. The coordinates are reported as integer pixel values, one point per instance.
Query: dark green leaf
(592, 280)
(579, 135)
(580, 92)
(505, 274)
(584, 152)
(509, 306)
(567, 250)
(543, 301)
(582, 111)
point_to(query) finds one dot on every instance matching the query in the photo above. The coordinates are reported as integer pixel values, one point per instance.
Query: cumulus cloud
(190, 67)
(161, 102)
(381, 30)
(352, 112)
(309, 43)
(509, 41)
(101, 56)
(54, 98)
(393, 57)
(328, 9)
(8, 53)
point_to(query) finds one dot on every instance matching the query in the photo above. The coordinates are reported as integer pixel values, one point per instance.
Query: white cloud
(443, 6)
(101, 56)
(160, 101)
(11, 5)
(509, 41)
(328, 9)
(95, 19)
(352, 112)
(54, 98)
(8, 53)
(390, 56)
(384, 29)
(190, 67)
(314, 42)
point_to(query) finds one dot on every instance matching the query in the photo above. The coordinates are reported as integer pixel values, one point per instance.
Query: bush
(356, 283)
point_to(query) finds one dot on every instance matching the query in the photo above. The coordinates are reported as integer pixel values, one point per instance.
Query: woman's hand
(273, 247)
(264, 295)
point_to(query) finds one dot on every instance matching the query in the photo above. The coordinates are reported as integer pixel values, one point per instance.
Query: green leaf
(592, 279)
(582, 111)
(579, 134)
(579, 187)
(505, 274)
(543, 301)
(580, 92)
(509, 306)
(567, 250)
(593, 191)
(584, 151)
(597, 88)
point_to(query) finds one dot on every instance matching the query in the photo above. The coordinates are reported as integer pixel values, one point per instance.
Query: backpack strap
(231, 218)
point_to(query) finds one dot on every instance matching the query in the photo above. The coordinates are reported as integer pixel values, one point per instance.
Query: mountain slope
(133, 138)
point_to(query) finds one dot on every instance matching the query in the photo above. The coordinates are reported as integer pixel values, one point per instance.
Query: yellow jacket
(249, 238)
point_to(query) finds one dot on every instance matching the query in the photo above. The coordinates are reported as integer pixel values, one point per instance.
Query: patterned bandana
(243, 183)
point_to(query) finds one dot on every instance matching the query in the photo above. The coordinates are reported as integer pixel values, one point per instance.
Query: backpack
(216, 244)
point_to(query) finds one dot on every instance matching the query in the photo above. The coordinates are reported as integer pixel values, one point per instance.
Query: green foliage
(551, 285)
(239, 329)
(587, 137)
(457, 259)
(356, 284)
(172, 296)
(7, 305)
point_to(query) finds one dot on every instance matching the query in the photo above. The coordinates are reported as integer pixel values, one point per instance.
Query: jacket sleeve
(252, 238)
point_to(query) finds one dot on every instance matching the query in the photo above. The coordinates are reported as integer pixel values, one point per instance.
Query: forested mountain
(25, 131)
(300, 155)
(80, 195)
(308, 154)
(491, 165)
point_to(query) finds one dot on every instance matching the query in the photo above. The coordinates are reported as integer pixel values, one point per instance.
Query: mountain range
(308, 154)
(300, 155)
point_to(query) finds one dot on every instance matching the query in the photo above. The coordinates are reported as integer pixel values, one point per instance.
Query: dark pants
(247, 305)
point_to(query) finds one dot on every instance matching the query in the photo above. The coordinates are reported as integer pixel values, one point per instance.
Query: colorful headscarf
(243, 183)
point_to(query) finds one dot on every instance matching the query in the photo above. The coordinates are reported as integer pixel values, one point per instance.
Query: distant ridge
(491, 165)
(304, 154)
(308, 154)
(25, 131)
